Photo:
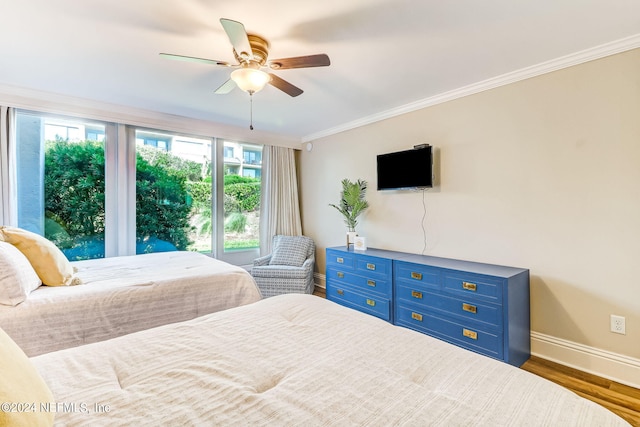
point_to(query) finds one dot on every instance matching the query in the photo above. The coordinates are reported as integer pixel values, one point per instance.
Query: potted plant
(352, 204)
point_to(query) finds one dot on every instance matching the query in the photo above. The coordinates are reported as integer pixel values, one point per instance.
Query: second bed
(121, 295)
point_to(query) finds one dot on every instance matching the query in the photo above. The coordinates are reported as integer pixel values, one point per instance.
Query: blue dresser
(481, 307)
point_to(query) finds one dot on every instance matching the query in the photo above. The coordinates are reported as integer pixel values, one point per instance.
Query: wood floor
(618, 398)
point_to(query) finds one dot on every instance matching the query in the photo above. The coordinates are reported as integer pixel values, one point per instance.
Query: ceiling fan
(251, 51)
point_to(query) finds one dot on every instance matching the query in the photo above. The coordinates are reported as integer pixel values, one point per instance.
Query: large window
(173, 193)
(241, 198)
(102, 189)
(61, 182)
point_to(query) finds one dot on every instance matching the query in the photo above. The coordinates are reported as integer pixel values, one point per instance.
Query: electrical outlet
(618, 324)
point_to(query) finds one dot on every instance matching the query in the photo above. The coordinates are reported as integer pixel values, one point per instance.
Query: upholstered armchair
(288, 268)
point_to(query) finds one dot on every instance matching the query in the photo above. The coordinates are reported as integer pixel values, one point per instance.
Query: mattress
(295, 360)
(121, 295)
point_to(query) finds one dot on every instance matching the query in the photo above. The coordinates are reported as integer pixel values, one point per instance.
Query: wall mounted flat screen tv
(403, 170)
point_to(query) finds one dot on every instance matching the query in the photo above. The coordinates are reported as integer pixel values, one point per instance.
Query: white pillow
(50, 264)
(17, 276)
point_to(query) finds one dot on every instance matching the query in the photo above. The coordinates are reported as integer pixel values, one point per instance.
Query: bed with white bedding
(297, 360)
(121, 295)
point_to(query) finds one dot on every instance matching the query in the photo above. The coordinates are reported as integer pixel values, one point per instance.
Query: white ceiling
(385, 54)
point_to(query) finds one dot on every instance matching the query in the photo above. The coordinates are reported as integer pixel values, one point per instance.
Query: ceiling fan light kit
(250, 80)
(251, 52)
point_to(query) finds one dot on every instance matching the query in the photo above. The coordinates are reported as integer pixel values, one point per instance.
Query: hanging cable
(424, 214)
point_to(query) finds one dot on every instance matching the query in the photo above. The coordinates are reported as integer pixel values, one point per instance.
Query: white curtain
(279, 206)
(8, 201)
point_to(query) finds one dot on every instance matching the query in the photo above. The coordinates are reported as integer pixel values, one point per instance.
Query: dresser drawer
(368, 266)
(465, 309)
(340, 259)
(418, 275)
(474, 286)
(374, 305)
(366, 284)
(485, 341)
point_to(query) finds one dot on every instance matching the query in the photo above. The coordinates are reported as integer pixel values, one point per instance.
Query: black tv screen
(406, 169)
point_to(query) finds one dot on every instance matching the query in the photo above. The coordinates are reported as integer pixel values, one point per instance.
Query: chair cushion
(290, 250)
(274, 273)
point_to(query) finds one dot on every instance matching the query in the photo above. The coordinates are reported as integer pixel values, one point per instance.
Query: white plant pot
(351, 237)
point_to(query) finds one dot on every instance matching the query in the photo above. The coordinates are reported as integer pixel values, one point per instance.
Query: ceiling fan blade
(225, 87)
(238, 37)
(284, 86)
(194, 59)
(320, 60)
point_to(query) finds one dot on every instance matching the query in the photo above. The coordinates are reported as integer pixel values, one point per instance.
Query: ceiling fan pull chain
(251, 109)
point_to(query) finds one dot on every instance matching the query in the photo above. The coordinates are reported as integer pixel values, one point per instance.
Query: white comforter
(125, 294)
(299, 360)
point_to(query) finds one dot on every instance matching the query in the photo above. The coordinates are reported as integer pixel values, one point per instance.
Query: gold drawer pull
(340, 291)
(371, 266)
(470, 308)
(371, 283)
(340, 260)
(470, 334)
(340, 275)
(469, 286)
(371, 302)
(416, 294)
(417, 276)
(416, 316)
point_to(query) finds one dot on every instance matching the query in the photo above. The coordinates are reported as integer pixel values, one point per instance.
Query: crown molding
(601, 51)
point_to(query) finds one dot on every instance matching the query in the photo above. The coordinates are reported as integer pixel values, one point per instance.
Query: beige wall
(542, 174)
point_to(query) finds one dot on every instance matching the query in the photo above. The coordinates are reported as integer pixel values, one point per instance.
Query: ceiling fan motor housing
(260, 48)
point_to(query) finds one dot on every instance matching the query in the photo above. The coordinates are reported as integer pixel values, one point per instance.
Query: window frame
(120, 186)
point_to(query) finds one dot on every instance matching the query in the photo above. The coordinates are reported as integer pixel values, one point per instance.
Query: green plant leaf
(352, 201)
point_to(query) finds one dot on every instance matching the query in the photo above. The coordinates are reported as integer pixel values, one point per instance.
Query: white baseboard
(606, 364)
(320, 280)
